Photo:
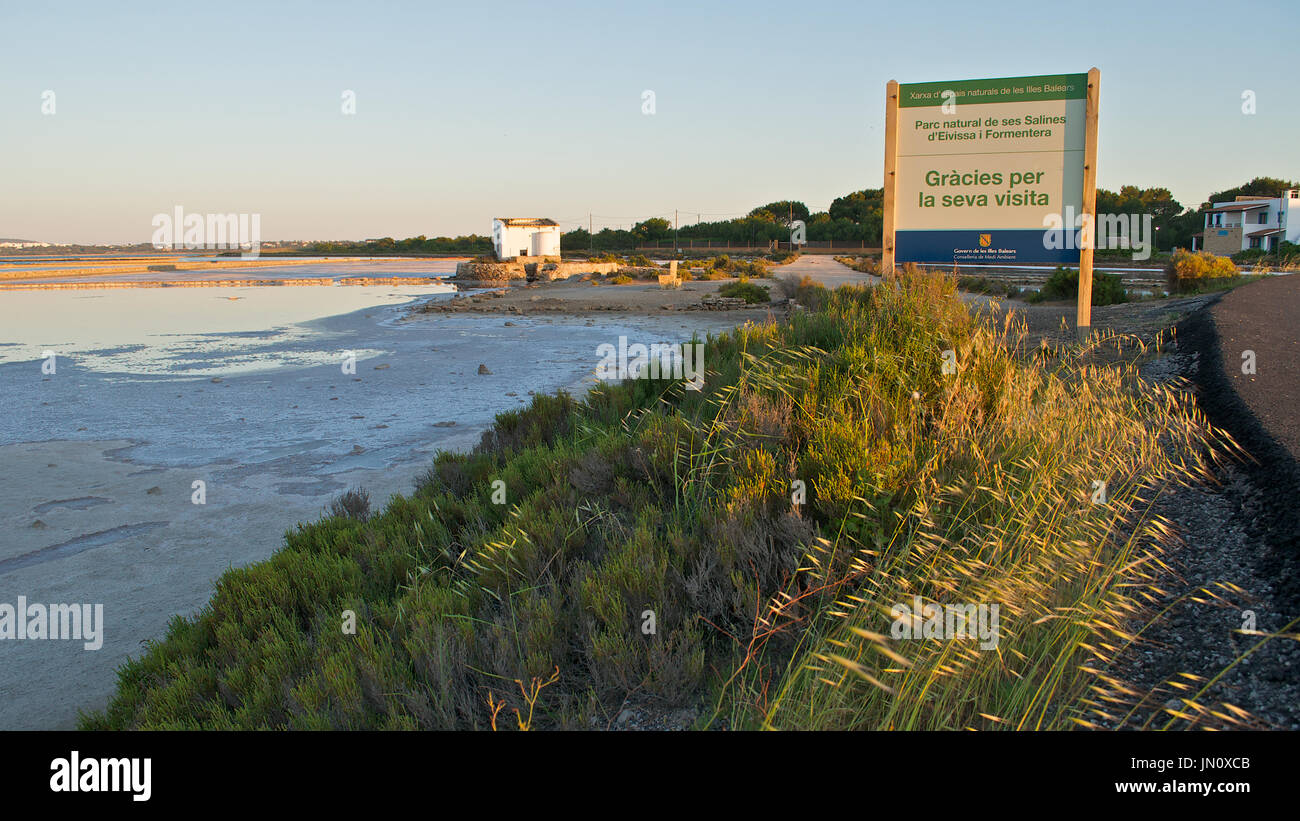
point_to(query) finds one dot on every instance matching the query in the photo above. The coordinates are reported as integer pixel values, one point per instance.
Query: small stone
(154, 491)
(483, 370)
(38, 524)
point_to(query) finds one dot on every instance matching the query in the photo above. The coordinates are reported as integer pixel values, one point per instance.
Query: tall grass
(831, 468)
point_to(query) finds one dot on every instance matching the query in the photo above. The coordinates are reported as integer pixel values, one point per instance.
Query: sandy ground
(583, 298)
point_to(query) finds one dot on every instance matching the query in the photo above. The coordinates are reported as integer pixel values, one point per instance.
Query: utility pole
(591, 238)
(674, 231)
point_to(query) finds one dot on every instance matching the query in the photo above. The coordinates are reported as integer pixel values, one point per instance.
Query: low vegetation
(736, 548)
(354, 504)
(1107, 289)
(805, 291)
(1187, 271)
(746, 290)
(863, 265)
(989, 285)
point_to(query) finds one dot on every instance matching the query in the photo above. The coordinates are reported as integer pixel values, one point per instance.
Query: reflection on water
(184, 332)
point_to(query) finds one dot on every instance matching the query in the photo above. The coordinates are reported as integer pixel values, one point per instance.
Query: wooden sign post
(891, 179)
(1089, 236)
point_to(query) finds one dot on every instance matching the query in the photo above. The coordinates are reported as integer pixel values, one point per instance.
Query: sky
(466, 111)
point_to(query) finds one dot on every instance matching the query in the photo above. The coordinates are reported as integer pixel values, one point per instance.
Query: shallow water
(182, 332)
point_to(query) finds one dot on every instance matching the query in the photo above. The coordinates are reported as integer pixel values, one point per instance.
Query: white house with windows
(514, 237)
(1252, 222)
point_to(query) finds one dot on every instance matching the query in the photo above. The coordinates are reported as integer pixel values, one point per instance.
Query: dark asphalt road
(1264, 317)
(1258, 410)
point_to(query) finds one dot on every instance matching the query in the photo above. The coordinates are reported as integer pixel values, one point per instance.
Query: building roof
(1240, 206)
(1265, 232)
(536, 221)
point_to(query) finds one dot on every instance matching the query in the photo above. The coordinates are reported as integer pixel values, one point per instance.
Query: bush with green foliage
(746, 290)
(354, 504)
(1107, 289)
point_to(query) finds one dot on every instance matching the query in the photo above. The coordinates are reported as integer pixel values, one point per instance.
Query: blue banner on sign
(985, 247)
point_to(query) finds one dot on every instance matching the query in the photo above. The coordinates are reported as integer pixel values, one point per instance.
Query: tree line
(854, 217)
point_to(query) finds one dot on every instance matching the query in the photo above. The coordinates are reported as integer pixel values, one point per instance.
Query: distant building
(525, 237)
(22, 243)
(1251, 222)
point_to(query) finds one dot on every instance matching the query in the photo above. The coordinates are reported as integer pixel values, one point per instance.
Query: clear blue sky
(466, 111)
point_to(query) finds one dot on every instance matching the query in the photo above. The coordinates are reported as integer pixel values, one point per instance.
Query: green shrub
(354, 504)
(746, 290)
(1107, 289)
(753, 268)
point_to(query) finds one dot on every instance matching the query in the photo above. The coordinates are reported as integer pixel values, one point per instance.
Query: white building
(22, 243)
(525, 237)
(1252, 222)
